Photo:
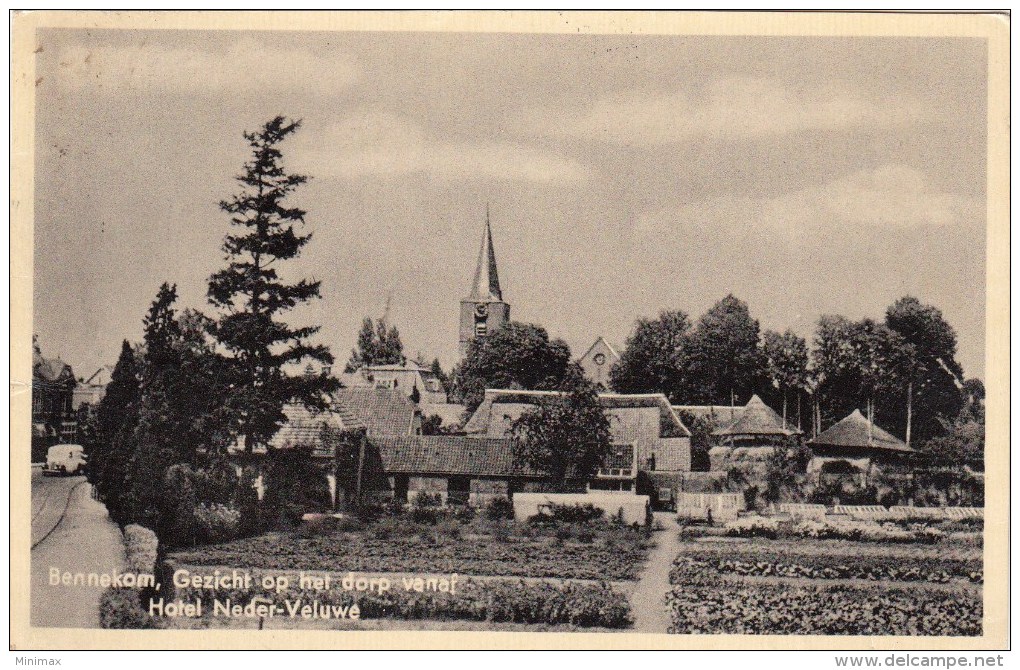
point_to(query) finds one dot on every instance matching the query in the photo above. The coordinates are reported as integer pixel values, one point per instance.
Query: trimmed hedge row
(123, 607)
(582, 605)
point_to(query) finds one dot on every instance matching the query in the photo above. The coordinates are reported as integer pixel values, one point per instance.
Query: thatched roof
(856, 431)
(758, 420)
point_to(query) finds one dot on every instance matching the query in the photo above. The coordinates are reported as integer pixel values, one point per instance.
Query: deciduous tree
(656, 358)
(565, 435)
(515, 356)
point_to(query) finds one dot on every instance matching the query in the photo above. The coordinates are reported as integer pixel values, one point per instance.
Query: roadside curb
(63, 513)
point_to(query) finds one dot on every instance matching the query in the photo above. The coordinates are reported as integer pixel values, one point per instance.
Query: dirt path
(648, 601)
(85, 541)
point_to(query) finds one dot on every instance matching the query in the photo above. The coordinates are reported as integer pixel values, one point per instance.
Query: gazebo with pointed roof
(856, 434)
(757, 423)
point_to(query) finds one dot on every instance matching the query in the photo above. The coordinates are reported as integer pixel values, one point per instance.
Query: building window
(481, 329)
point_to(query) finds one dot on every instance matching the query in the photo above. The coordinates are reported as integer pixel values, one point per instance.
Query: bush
(141, 549)
(464, 513)
(576, 513)
(499, 508)
(426, 499)
(216, 523)
(122, 608)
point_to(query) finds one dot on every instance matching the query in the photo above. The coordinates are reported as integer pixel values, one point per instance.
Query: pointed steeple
(486, 283)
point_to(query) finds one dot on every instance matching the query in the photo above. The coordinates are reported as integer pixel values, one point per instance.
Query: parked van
(65, 459)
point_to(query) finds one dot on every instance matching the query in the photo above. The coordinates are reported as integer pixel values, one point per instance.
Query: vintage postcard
(509, 330)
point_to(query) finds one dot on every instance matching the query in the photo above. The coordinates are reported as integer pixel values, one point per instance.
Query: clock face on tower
(481, 310)
(599, 358)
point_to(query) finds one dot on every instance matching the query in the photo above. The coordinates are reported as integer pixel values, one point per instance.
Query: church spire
(486, 283)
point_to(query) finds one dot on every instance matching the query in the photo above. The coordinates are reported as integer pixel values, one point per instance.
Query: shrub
(122, 608)
(426, 499)
(216, 523)
(464, 513)
(576, 513)
(585, 536)
(141, 548)
(563, 532)
(499, 508)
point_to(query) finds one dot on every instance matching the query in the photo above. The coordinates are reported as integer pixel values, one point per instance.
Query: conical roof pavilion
(485, 287)
(856, 431)
(758, 420)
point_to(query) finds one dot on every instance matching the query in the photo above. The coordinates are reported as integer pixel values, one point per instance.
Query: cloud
(380, 144)
(246, 67)
(887, 197)
(725, 109)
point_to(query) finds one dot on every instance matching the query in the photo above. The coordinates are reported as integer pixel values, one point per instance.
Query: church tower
(483, 311)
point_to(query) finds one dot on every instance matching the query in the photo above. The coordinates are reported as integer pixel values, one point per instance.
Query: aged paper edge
(992, 27)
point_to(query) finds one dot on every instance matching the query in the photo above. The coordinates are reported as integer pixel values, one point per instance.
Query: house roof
(450, 455)
(758, 419)
(303, 428)
(472, 456)
(381, 412)
(50, 369)
(451, 413)
(670, 423)
(856, 431)
(718, 416)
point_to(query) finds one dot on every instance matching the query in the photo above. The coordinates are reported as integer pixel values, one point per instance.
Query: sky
(625, 175)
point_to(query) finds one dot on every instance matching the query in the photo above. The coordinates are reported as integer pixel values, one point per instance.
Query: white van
(65, 459)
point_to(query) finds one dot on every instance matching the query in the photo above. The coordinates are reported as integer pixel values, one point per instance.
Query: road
(71, 532)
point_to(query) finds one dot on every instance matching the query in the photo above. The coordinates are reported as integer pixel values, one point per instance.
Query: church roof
(856, 431)
(486, 284)
(757, 419)
(611, 348)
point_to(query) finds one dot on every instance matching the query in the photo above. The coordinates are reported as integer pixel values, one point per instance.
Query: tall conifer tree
(252, 297)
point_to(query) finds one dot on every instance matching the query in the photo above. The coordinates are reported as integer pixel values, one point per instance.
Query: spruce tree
(113, 444)
(252, 297)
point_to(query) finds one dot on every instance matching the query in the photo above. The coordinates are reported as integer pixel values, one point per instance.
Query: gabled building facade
(598, 361)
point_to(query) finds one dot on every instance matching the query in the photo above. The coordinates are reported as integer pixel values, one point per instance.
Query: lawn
(595, 552)
(826, 587)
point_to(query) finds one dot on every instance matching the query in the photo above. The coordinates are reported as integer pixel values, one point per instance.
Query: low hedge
(582, 605)
(140, 548)
(123, 607)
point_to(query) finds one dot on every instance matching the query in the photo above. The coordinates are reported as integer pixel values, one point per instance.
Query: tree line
(200, 384)
(901, 371)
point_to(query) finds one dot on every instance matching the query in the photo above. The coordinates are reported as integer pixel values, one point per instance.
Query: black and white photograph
(661, 335)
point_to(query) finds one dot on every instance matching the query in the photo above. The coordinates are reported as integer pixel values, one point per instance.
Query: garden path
(84, 540)
(648, 601)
